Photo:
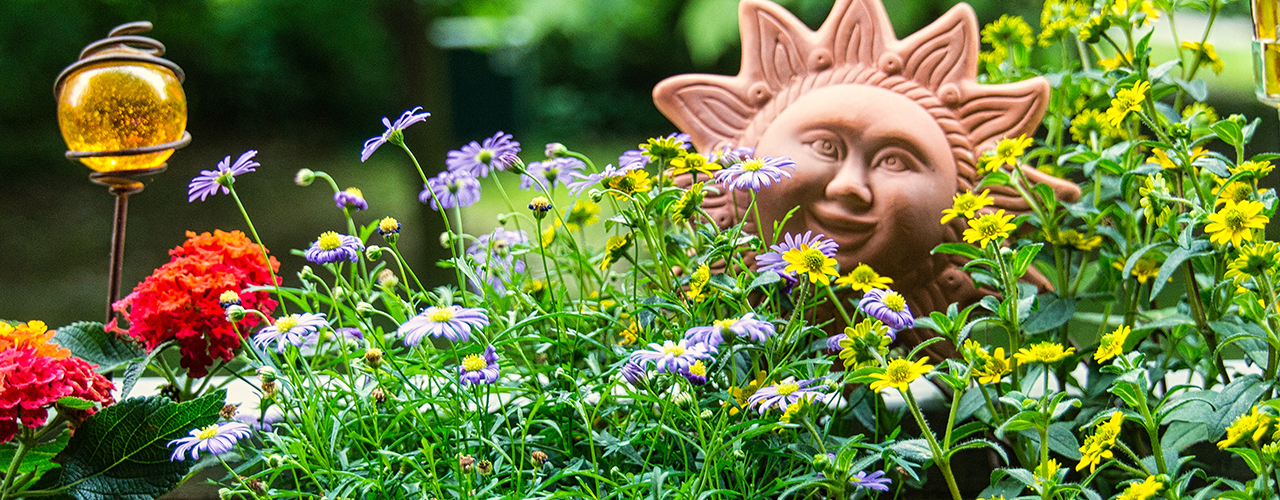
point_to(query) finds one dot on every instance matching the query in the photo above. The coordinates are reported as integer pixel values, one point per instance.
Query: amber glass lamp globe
(114, 101)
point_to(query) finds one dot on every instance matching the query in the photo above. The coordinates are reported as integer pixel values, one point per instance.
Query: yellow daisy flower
(1253, 425)
(1009, 151)
(634, 182)
(900, 374)
(694, 162)
(864, 279)
(988, 228)
(1206, 52)
(1141, 491)
(1097, 447)
(810, 261)
(967, 204)
(1111, 344)
(1235, 222)
(1127, 101)
(1253, 262)
(1044, 352)
(740, 395)
(698, 283)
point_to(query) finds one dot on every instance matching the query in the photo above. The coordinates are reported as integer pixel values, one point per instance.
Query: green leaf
(1063, 442)
(1132, 395)
(1229, 131)
(75, 403)
(1023, 257)
(1175, 259)
(1055, 313)
(122, 452)
(87, 340)
(916, 450)
(764, 279)
(1181, 435)
(962, 249)
(38, 458)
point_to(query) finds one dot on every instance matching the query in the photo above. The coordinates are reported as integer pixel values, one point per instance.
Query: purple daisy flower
(833, 342)
(773, 261)
(478, 369)
(744, 326)
(215, 439)
(478, 159)
(452, 189)
(671, 357)
(889, 307)
(409, 117)
(634, 373)
(296, 329)
(453, 322)
(209, 181)
(755, 173)
(551, 172)
(584, 182)
(332, 247)
(873, 481)
(555, 149)
(730, 155)
(350, 198)
(493, 252)
(783, 394)
(696, 374)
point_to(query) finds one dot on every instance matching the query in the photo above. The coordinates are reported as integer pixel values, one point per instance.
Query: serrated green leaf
(122, 452)
(88, 341)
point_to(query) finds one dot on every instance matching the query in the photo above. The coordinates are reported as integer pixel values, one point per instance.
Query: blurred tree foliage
(317, 70)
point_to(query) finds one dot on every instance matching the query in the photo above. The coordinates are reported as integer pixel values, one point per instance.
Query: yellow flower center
(895, 301)
(673, 349)
(388, 224)
(287, 323)
(787, 388)
(724, 324)
(208, 432)
(814, 260)
(441, 315)
(698, 369)
(473, 362)
(330, 240)
(752, 165)
(863, 275)
(1234, 219)
(485, 156)
(229, 296)
(989, 227)
(899, 372)
(355, 191)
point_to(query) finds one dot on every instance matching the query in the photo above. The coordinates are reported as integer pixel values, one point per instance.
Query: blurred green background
(305, 82)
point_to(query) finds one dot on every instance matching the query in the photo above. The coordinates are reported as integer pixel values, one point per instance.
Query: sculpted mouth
(838, 224)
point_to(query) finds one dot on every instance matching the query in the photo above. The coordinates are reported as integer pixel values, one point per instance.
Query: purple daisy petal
(453, 322)
(409, 117)
(452, 189)
(210, 181)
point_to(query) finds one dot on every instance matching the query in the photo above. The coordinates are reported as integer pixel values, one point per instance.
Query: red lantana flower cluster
(35, 373)
(183, 299)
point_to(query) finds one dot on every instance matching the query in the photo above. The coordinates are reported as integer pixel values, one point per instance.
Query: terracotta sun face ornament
(884, 133)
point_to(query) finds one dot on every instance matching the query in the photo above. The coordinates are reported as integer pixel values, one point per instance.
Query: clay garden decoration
(760, 307)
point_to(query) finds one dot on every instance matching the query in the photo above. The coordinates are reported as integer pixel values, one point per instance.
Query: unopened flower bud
(446, 239)
(821, 460)
(387, 278)
(339, 293)
(274, 460)
(538, 458)
(389, 228)
(306, 273)
(555, 149)
(705, 414)
(739, 454)
(373, 252)
(379, 396)
(235, 313)
(304, 177)
(267, 374)
(373, 357)
(512, 162)
(228, 411)
(540, 206)
(597, 195)
(226, 494)
(229, 298)
(364, 308)
(1238, 119)
(484, 467)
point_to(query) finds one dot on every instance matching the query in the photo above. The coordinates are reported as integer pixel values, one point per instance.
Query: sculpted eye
(896, 160)
(827, 148)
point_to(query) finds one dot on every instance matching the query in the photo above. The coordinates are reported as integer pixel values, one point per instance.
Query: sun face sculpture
(884, 133)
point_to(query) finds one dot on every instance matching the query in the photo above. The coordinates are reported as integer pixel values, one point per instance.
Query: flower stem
(275, 282)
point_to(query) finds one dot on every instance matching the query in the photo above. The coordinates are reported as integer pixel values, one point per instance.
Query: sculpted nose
(850, 186)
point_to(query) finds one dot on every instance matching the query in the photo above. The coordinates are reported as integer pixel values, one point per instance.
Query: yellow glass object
(1266, 15)
(1266, 72)
(113, 106)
